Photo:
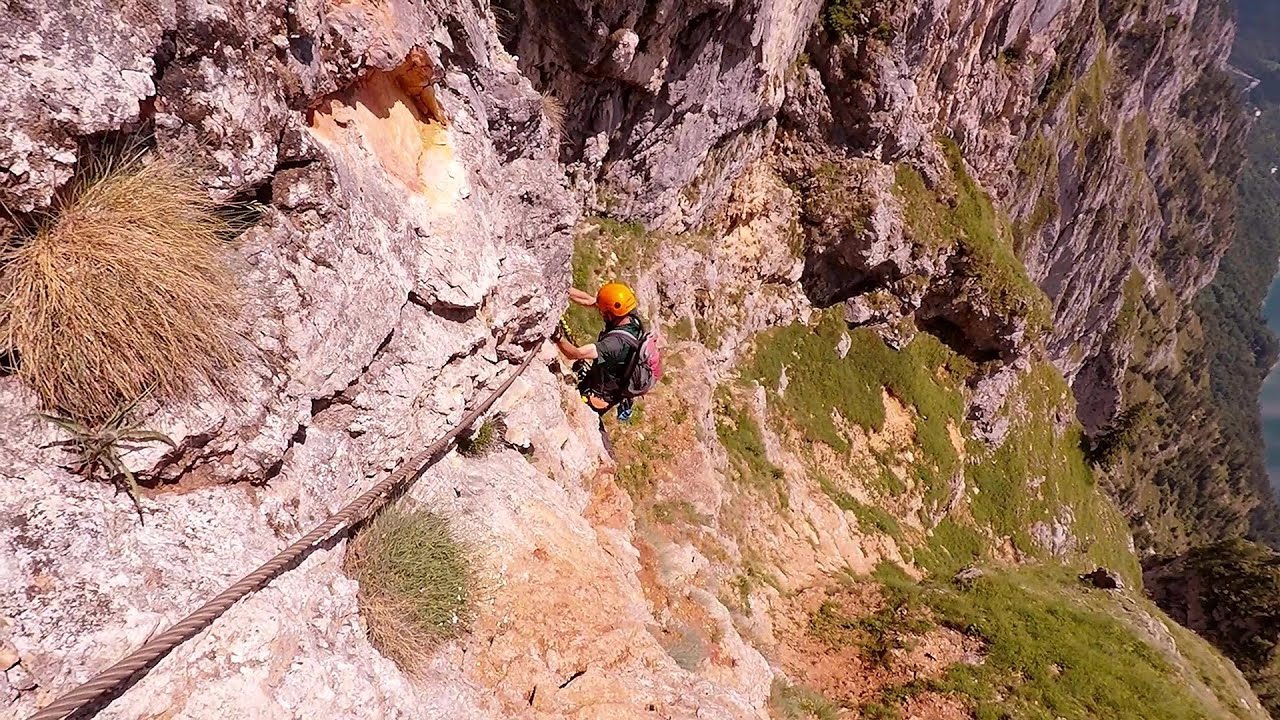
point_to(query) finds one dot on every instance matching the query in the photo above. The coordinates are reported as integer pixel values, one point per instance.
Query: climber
(624, 358)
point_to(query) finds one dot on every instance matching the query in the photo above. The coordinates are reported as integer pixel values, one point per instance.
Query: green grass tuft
(416, 582)
(879, 711)
(796, 702)
(857, 18)
(672, 512)
(868, 516)
(879, 634)
(482, 441)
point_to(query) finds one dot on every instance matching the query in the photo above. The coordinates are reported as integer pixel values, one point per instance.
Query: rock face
(415, 239)
(1095, 177)
(1107, 133)
(665, 104)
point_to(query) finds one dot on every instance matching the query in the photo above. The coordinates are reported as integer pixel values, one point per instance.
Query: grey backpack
(644, 368)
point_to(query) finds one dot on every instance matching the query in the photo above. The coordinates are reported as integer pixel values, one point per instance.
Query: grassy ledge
(1054, 652)
(1049, 649)
(824, 391)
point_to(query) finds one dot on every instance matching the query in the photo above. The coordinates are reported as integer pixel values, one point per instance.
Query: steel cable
(357, 510)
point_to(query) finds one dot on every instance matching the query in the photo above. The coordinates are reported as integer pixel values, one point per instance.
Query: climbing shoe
(624, 410)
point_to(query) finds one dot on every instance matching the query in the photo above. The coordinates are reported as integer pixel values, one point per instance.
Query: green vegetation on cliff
(1229, 592)
(1189, 483)
(605, 250)
(1240, 349)
(1033, 487)
(857, 19)
(1038, 480)
(417, 582)
(1055, 651)
(1211, 482)
(983, 236)
(819, 381)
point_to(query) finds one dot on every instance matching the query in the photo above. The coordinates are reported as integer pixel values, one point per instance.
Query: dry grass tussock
(553, 110)
(416, 583)
(124, 288)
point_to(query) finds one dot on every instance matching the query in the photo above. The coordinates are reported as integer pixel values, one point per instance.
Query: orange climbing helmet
(616, 300)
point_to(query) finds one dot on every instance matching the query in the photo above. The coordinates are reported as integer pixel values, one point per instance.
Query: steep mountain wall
(979, 183)
(1193, 483)
(1106, 131)
(1108, 135)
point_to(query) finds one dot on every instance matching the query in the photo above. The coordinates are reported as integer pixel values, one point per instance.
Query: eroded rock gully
(416, 236)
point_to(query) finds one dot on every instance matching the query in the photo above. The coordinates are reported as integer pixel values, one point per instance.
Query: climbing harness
(142, 659)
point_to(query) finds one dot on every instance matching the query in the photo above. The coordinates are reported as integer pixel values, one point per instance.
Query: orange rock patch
(394, 117)
(845, 671)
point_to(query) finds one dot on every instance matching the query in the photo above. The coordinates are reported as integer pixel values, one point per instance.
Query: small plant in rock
(796, 702)
(416, 582)
(123, 287)
(482, 441)
(98, 448)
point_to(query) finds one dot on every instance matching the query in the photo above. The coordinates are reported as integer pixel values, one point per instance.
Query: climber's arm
(581, 298)
(573, 352)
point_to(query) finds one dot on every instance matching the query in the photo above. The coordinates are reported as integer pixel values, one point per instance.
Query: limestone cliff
(983, 184)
